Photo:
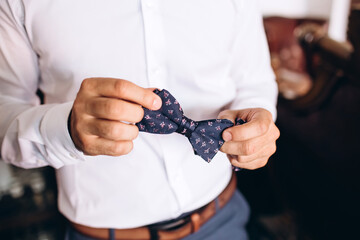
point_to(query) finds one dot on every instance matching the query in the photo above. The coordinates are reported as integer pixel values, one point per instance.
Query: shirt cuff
(59, 146)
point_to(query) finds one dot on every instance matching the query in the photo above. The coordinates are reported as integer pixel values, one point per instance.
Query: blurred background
(309, 189)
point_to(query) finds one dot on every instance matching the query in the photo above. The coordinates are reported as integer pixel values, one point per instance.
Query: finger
(244, 148)
(253, 145)
(99, 146)
(111, 130)
(258, 121)
(122, 89)
(266, 151)
(258, 163)
(255, 128)
(114, 109)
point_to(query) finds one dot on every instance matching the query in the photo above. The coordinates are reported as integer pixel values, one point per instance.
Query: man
(100, 61)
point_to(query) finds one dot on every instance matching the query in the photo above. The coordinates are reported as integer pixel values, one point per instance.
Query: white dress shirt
(210, 54)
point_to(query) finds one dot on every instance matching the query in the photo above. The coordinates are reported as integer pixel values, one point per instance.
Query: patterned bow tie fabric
(204, 136)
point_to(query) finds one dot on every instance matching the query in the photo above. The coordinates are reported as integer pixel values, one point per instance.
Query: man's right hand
(102, 117)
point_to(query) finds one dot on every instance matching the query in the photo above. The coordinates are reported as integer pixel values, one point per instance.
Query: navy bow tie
(204, 136)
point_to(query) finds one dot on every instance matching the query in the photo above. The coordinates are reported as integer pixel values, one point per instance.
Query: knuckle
(85, 144)
(122, 148)
(111, 108)
(116, 148)
(241, 159)
(262, 163)
(135, 133)
(263, 127)
(273, 149)
(120, 132)
(78, 105)
(76, 127)
(139, 114)
(129, 147)
(86, 84)
(258, 164)
(234, 162)
(114, 131)
(248, 149)
(121, 87)
(277, 134)
(239, 148)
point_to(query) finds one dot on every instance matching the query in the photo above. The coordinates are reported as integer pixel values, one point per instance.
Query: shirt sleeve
(256, 85)
(31, 135)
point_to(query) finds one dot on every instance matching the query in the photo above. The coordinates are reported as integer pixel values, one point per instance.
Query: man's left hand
(250, 145)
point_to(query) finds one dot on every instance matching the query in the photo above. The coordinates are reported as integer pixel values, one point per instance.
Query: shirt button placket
(154, 43)
(156, 72)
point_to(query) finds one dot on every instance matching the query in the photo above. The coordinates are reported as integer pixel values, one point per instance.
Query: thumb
(230, 115)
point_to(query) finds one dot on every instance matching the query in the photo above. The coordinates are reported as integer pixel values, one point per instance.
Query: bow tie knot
(186, 127)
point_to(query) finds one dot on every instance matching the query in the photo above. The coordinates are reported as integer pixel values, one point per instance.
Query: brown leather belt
(170, 230)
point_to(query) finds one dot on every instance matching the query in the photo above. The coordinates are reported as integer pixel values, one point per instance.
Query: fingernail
(227, 136)
(156, 104)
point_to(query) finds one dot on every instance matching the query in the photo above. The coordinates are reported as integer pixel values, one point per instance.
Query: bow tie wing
(166, 120)
(156, 122)
(206, 139)
(170, 106)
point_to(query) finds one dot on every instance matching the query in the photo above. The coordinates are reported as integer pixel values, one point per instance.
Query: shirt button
(39, 162)
(177, 180)
(149, 4)
(157, 71)
(73, 155)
